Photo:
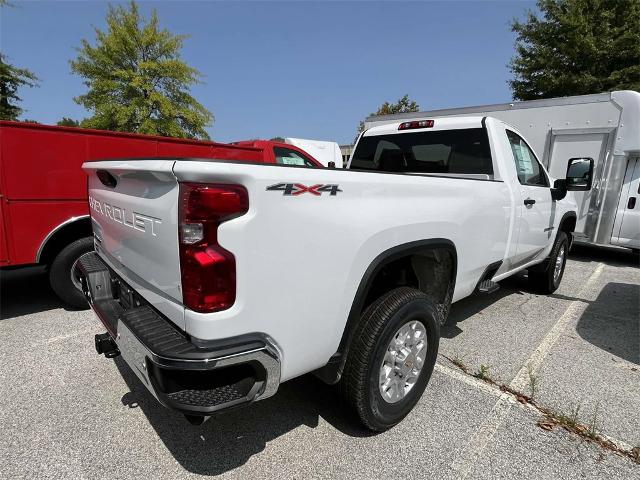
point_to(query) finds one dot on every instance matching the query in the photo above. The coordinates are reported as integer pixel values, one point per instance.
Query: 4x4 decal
(298, 189)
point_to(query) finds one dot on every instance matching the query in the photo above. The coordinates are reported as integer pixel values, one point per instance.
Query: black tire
(545, 281)
(378, 325)
(60, 273)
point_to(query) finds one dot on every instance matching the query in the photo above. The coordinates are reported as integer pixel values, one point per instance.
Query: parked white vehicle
(605, 127)
(323, 151)
(217, 281)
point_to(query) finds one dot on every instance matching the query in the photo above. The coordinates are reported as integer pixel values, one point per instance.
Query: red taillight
(208, 270)
(416, 124)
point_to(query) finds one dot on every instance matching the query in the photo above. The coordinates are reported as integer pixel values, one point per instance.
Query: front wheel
(548, 280)
(391, 359)
(62, 276)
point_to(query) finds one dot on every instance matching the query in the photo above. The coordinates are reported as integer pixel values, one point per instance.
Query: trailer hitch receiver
(106, 345)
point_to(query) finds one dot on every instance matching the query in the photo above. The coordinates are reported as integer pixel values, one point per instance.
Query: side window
(529, 170)
(287, 156)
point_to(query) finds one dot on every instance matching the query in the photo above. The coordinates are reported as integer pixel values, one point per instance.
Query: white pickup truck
(218, 280)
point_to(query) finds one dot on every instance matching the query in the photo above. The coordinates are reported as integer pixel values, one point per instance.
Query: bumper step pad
(207, 398)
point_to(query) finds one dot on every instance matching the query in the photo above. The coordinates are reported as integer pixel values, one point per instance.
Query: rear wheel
(62, 277)
(391, 359)
(548, 280)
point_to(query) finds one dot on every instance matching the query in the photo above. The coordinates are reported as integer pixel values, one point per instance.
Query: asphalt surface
(67, 413)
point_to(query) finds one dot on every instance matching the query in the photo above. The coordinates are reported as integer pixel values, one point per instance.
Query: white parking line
(464, 378)
(463, 464)
(576, 308)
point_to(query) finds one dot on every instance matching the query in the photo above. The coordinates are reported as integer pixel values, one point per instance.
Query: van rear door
(626, 229)
(589, 144)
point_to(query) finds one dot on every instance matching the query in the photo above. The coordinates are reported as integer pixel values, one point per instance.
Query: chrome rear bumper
(194, 379)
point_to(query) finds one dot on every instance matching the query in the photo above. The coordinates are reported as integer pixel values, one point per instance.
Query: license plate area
(125, 295)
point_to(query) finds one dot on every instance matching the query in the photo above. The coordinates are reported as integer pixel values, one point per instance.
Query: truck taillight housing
(208, 271)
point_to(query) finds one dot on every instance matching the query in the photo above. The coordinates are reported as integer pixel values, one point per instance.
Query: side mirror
(332, 165)
(559, 190)
(579, 174)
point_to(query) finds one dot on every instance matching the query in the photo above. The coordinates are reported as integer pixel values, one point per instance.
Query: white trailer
(605, 127)
(321, 150)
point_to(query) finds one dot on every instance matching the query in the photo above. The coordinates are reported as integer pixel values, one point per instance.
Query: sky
(290, 69)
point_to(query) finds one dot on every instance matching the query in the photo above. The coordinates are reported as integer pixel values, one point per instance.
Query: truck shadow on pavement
(473, 304)
(229, 440)
(518, 285)
(619, 257)
(612, 322)
(24, 291)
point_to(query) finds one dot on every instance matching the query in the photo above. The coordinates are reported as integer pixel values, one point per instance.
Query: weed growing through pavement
(533, 381)
(570, 421)
(458, 362)
(483, 373)
(594, 427)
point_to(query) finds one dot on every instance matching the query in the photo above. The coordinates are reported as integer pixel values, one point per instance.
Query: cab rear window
(464, 151)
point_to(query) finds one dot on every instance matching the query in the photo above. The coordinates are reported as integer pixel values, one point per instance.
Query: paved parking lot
(67, 413)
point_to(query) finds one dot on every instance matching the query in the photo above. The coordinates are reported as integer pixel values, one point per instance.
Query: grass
(458, 362)
(533, 382)
(570, 420)
(594, 427)
(483, 373)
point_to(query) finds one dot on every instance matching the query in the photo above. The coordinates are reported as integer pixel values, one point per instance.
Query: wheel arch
(67, 232)
(422, 256)
(568, 225)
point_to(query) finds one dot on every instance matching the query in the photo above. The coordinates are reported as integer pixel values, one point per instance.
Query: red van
(44, 217)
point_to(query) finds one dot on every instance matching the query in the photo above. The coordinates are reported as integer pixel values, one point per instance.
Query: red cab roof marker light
(416, 124)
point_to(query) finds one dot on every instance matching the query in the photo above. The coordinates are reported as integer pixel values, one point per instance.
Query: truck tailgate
(134, 213)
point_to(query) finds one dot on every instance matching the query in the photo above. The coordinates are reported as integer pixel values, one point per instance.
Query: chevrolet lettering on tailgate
(136, 220)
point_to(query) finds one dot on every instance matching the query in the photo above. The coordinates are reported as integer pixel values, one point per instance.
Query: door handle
(529, 201)
(632, 203)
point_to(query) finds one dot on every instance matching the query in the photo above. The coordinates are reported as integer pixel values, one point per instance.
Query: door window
(529, 170)
(287, 156)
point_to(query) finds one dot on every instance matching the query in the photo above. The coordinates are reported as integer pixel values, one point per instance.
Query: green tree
(278, 139)
(403, 105)
(577, 47)
(11, 79)
(137, 80)
(68, 122)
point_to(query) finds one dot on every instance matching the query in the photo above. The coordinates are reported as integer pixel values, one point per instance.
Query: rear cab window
(460, 151)
(288, 156)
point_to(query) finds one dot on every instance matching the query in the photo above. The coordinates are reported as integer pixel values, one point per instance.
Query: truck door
(536, 222)
(626, 230)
